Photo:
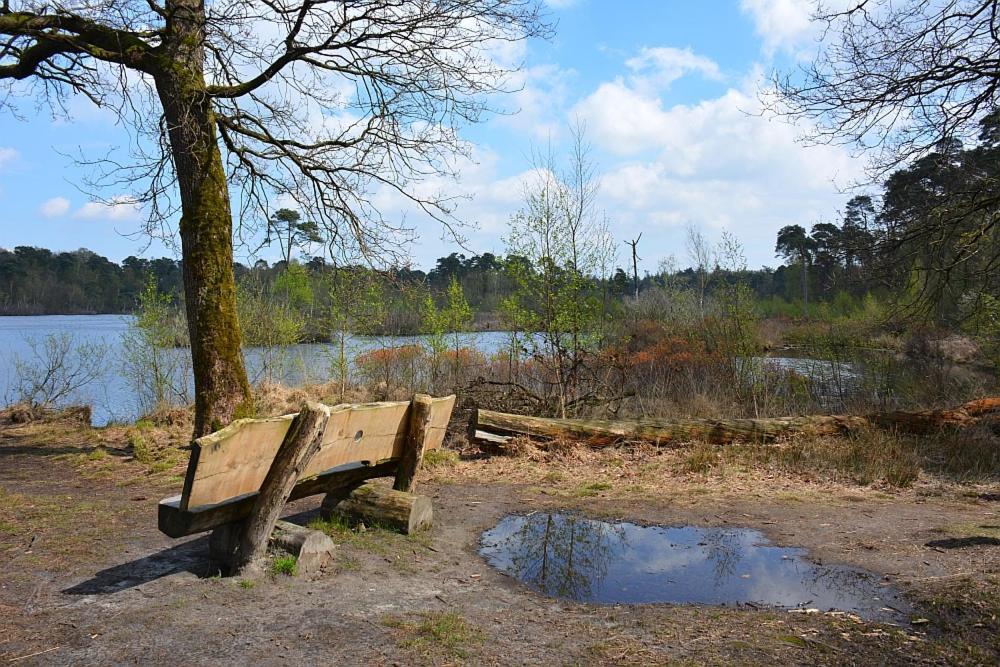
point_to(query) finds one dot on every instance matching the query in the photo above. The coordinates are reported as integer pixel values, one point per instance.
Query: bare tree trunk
(805, 286)
(635, 265)
(222, 392)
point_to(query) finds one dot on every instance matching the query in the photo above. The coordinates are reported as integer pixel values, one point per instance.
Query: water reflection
(569, 556)
(562, 555)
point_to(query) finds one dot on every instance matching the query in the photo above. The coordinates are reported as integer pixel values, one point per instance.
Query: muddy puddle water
(573, 557)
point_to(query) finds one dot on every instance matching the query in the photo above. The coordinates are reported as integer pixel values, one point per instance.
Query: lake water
(113, 399)
(573, 557)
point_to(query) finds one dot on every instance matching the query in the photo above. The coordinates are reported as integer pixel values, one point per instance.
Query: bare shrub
(59, 366)
(393, 372)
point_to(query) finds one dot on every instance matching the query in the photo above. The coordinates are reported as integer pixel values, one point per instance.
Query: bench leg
(377, 505)
(223, 541)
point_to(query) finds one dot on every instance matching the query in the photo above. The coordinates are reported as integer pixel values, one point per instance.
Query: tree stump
(377, 505)
(300, 444)
(311, 548)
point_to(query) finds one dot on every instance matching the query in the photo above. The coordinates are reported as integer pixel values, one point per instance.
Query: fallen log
(489, 426)
(928, 421)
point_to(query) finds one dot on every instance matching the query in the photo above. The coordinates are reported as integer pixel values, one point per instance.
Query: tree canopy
(323, 102)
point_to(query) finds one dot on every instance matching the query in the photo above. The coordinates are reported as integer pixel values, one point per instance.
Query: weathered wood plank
(177, 522)
(235, 460)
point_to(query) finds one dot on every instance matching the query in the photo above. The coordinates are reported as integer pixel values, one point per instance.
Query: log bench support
(300, 444)
(398, 508)
(375, 505)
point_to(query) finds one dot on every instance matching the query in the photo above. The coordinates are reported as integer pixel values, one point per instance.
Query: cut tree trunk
(379, 506)
(486, 425)
(312, 549)
(300, 444)
(413, 449)
(222, 392)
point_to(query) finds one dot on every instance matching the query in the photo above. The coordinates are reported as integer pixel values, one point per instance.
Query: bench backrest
(233, 461)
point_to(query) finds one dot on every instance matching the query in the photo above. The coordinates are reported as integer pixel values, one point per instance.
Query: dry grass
(68, 528)
(440, 458)
(874, 465)
(881, 458)
(273, 399)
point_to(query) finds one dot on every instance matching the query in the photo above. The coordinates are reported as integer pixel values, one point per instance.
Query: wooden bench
(355, 443)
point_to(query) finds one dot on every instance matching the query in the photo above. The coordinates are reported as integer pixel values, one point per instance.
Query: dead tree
(635, 264)
(318, 100)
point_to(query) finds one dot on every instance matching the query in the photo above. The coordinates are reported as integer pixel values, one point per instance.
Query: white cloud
(7, 155)
(662, 65)
(719, 164)
(536, 105)
(118, 209)
(55, 207)
(782, 24)
(561, 4)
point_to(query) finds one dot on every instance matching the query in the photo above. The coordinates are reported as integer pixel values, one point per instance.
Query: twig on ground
(32, 655)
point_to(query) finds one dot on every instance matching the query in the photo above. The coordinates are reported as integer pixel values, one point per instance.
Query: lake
(113, 399)
(830, 385)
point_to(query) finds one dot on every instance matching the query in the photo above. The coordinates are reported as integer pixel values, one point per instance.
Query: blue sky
(668, 93)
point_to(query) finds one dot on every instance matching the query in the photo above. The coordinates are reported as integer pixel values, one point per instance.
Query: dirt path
(87, 579)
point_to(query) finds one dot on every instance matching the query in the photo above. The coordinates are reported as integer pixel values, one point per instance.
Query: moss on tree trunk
(222, 392)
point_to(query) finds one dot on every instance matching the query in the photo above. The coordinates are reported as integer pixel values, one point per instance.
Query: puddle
(573, 557)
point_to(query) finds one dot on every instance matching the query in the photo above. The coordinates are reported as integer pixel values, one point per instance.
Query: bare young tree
(321, 101)
(703, 259)
(58, 368)
(563, 242)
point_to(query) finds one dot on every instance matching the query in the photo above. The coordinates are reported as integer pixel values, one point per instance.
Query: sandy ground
(86, 578)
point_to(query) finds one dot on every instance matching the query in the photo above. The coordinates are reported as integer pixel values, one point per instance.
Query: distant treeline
(930, 237)
(36, 281)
